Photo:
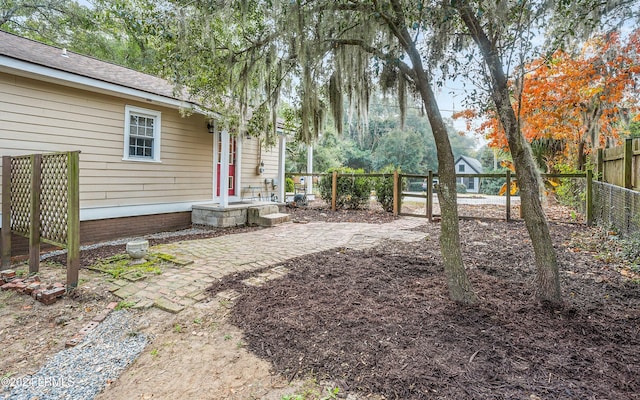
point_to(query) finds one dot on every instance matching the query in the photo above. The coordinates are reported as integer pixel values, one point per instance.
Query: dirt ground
(376, 324)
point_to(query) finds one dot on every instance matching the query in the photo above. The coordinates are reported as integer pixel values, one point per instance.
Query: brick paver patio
(177, 288)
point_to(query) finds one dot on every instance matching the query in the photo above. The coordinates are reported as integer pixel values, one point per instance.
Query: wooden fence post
(628, 162)
(334, 190)
(600, 164)
(589, 197)
(6, 213)
(396, 193)
(430, 196)
(399, 192)
(508, 195)
(34, 210)
(73, 219)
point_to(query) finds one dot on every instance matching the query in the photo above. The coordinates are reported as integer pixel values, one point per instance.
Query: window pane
(142, 134)
(140, 147)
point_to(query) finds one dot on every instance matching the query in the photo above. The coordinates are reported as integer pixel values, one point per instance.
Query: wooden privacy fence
(399, 193)
(40, 201)
(620, 165)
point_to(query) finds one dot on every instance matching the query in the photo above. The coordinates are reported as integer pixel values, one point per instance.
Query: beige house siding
(39, 117)
(252, 183)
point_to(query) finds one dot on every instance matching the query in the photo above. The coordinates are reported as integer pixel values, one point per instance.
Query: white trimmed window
(141, 134)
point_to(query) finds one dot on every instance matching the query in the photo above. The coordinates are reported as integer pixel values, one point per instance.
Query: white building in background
(468, 165)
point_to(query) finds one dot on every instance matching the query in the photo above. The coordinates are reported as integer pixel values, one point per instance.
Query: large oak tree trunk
(457, 279)
(458, 282)
(547, 276)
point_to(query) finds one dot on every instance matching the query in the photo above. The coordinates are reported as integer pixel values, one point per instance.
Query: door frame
(238, 171)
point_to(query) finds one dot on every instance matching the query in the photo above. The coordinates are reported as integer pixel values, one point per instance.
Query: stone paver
(167, 305)
(204, 261)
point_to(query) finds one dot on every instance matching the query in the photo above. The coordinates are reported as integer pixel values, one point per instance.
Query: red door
(232, 165)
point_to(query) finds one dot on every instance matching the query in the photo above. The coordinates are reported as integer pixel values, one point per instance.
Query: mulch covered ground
(379, 321)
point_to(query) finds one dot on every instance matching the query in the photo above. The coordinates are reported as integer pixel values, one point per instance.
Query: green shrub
(461, 188)
(353, 191)
(570, 191)
(384, 188)
(289, 185)
(491, 186)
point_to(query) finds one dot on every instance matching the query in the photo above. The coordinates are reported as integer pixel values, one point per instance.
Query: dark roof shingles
(49, 56)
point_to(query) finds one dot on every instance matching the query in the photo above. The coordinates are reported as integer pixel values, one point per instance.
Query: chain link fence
(616, 208)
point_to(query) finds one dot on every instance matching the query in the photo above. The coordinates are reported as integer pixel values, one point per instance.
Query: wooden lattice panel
(41, 200)
(54, 198)
(20, 194)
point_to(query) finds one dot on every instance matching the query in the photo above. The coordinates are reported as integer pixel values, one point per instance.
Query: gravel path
(81, 372)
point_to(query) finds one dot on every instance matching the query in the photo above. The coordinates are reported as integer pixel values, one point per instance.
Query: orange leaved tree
(581, 102)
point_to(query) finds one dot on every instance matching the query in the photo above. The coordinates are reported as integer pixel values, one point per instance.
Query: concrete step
(264, 209)
(254, 213)
(272, 219)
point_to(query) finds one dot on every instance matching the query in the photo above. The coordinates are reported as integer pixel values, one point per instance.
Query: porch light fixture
(211, 126)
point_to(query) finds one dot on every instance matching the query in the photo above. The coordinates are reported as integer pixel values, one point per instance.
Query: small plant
(240, 344)
(292, 397)
(154, 353)
(197, 321)
(164, 257)
(289, 185)
(312, 390)
(119, 266)
(4, 296)
(631, 248)
(177, 328)
(122, 305)
(227, 337)
(333, 394)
